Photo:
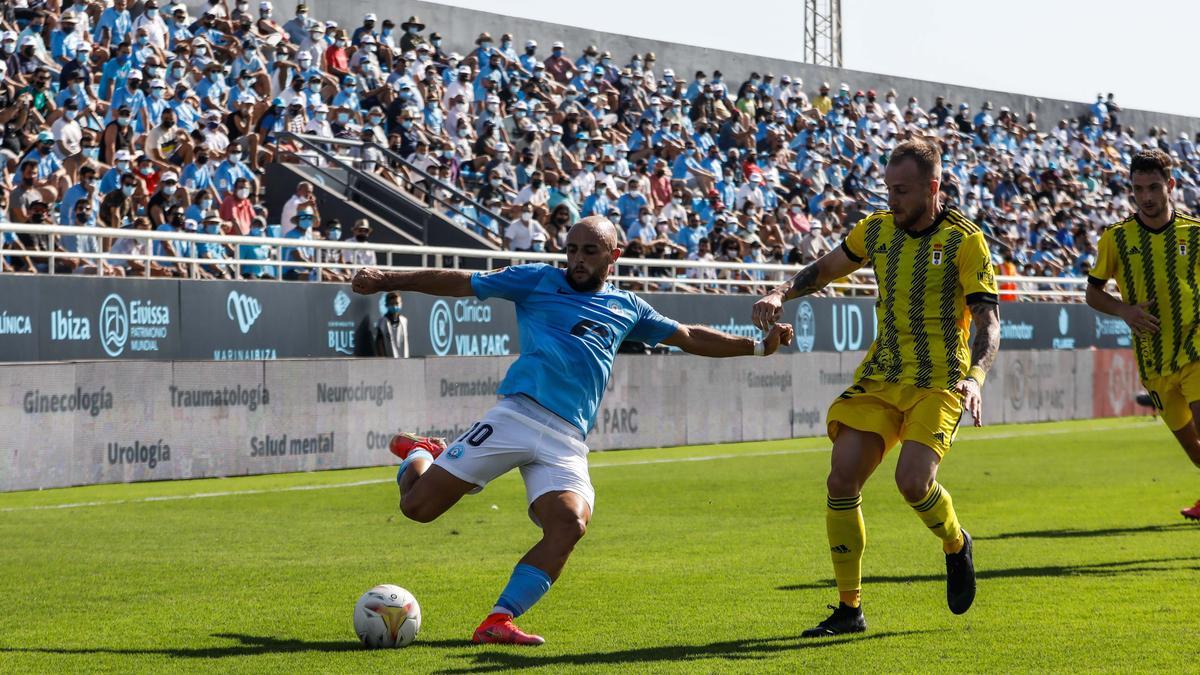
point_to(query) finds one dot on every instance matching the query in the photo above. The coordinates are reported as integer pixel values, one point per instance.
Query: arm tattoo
(987, 334)
(804, 283)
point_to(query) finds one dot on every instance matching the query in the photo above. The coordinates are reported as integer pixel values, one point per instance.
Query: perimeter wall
(86, 422)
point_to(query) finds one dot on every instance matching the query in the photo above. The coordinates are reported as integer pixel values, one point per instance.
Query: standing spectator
(391, 332)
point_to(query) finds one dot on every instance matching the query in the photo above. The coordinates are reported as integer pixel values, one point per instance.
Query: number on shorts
(476, 435)
(1154, 398)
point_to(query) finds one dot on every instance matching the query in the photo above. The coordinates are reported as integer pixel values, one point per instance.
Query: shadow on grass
(249, 645)
(748, 649)
(1105, 532)
(1108, 569)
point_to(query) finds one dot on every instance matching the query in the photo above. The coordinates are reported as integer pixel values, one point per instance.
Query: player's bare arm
(1138, 317)
(446, 283)
(983, 354)
(704, 341)
(833, 265)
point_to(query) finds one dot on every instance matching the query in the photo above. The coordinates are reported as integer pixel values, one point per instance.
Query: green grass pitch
(711, 565)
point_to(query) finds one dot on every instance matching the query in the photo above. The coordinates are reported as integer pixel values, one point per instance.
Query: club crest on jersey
(1183, 247)
(936, 256)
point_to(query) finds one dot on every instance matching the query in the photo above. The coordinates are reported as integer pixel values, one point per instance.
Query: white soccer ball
(387, 616)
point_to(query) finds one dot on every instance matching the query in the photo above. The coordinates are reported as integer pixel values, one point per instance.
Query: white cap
(320, 107)
(84, 47)
(370, 16)
(124, 156)
(555, 129)
(502, 147)
(668, 72)
(464, 70)
(492, 98)
(157, 82)
(367, 39)
(530, 43)
(170, 175)
(8, 36)
(264, 6)
(520, 105)
(558, 44)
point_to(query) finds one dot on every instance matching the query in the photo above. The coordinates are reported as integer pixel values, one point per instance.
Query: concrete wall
(460, 27)
(89, 422)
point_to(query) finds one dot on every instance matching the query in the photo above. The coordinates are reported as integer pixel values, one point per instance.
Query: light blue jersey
(568, 339)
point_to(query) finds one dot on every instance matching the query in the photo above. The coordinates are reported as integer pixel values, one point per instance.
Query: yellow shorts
(898, 412)
(1171, 394)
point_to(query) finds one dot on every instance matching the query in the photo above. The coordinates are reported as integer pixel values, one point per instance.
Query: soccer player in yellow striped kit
(935, 276)
(1154, 256)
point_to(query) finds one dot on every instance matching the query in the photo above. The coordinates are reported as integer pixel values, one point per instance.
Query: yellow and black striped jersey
(1159, 267)
(926, 282)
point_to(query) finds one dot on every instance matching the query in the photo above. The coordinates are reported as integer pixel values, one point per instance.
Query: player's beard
(1152, 210)
(911, 218)
(589, 285)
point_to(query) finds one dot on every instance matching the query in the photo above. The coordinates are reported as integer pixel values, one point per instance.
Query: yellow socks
(847, 539)
(936, 510)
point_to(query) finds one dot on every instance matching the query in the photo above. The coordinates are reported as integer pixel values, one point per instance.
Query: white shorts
(517, 432)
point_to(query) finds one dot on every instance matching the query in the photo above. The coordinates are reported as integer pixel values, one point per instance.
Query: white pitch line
(642, 462)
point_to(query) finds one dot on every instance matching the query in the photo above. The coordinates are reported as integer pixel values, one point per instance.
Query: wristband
(760, 348)
(978, 374)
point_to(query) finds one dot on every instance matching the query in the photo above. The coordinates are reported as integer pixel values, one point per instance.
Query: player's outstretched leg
(564, 517)
(915, 476)
(1189, 439)
(855, 456)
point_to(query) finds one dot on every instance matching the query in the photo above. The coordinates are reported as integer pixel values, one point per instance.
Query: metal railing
(313, 145)
(634, 274)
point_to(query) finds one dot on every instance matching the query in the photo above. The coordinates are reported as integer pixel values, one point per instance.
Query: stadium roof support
(823, 32)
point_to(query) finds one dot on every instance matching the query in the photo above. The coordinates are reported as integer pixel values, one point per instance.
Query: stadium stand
(168, 118)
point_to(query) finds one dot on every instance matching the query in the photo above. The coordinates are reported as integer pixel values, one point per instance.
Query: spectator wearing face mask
(119, 205)
(522, 233)
(233, 169)
(259, 253)
(85, 190)
(237, 209)
(304, 220)
(333, 256)
(360, 258)
(166, 197)
(391, 332)
(298, 26)
(177, 222)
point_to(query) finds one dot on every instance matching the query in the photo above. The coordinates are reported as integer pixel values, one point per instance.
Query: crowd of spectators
(146, 116)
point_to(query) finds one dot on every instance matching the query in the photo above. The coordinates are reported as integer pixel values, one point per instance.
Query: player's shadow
(249, 645)
(735, 650)
(1108, 569)
(1103, 532)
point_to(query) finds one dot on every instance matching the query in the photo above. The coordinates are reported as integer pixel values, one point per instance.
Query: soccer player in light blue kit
(571, 323)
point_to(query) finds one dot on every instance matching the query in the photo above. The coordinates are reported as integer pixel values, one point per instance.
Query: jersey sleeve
(511, 283)
(975, 271)
(651, 327)
(855, 243)
(1106, 262)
